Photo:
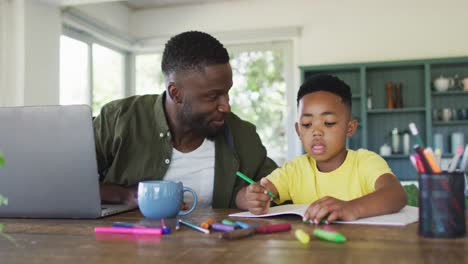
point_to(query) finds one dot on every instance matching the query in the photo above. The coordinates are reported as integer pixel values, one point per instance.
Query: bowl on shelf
(442, 84)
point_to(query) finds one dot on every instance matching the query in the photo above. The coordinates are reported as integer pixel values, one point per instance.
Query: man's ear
(174, 92)
(352, 126)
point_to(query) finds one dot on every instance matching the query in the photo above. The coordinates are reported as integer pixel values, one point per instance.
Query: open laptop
(50, 163)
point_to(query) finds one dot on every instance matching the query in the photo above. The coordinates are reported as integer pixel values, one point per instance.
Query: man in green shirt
(187, 133)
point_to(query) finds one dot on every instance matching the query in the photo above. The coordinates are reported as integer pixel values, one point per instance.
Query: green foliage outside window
(258, 96)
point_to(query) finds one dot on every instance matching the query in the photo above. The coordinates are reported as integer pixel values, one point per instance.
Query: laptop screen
(50, 162)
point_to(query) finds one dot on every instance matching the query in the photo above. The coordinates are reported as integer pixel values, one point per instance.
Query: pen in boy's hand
(247, 179)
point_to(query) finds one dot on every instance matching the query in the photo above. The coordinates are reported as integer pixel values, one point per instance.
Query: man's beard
(199, 123)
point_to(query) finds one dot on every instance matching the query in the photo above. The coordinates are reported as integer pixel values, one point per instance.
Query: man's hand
(112, 193)
(330, 209)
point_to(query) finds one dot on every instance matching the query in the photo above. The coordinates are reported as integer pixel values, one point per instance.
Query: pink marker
(329, 228)
(125, 230)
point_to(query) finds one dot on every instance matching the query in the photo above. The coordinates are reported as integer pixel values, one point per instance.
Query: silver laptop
(50, 163)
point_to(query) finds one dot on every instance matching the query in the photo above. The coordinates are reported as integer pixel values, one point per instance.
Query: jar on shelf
(398, 95)
(390, 101)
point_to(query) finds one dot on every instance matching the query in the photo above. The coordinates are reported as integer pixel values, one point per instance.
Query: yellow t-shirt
(300, 181)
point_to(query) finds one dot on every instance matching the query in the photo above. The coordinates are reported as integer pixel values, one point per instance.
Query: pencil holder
(442, 205)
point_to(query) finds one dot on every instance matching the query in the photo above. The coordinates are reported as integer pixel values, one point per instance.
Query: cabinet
(419, 102)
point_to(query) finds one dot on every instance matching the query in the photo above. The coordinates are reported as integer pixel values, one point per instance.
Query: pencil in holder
(442, 205)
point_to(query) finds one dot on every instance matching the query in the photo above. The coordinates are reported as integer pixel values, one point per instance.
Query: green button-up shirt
(134, 143)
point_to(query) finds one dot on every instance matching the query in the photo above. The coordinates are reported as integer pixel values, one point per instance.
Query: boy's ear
(352, 126)
(296, 125)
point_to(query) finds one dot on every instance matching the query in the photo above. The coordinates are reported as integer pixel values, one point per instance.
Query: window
(148, 75)
(259, 95)
(74, 72)
(108, 76)
(90, 72)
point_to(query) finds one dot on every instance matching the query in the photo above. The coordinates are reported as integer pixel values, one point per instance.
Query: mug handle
(195, 200)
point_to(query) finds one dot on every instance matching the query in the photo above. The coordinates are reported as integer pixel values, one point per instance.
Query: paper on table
(407, 215)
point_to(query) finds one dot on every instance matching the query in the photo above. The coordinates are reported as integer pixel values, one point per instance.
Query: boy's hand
(258, 201)
(330, 209)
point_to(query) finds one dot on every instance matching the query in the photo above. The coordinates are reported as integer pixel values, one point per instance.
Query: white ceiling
(134, 4)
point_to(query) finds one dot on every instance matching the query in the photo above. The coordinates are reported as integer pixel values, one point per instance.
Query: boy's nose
(317, 132)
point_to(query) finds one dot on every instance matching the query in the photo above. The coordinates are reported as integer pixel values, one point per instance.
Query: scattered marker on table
(302, 236)
(228, 222)
(203, 230)
(222, 227)
(126, 230)
(128, 225)
(243, 225)
(329, 228)
(207, 224)
(329, 236)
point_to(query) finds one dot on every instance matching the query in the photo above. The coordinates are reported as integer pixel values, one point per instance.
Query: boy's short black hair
(192, 50)
(327, 83)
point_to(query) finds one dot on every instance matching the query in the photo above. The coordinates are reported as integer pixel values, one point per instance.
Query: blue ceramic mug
(163, 199)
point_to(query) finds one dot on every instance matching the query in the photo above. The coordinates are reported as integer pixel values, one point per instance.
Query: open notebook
(407, 215)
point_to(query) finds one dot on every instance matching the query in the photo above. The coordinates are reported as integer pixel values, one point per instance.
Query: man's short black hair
(327, 83)
(192, 50)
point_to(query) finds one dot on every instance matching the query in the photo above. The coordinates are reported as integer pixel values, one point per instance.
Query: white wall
(42, 53)
(29, 44)
(114, 15)
(334, 31)
(12, 38)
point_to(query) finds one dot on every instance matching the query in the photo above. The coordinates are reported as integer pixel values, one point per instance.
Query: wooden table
(74, 241)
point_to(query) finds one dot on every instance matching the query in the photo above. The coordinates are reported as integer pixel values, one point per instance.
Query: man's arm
(116, 194)
(104, 133)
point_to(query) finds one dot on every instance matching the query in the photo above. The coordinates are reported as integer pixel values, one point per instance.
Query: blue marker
(242, 225)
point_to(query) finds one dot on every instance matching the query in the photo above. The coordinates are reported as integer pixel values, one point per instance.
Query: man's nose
(224, 105)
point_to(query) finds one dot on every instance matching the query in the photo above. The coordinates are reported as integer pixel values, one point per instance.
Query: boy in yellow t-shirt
(336, 182)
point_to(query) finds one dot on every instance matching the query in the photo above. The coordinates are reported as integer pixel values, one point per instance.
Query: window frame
(293, 148)
(89, 40)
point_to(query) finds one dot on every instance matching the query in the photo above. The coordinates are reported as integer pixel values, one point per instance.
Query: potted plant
(3, 200)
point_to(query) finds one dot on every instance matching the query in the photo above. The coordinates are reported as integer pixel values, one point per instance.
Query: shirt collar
(160, 115)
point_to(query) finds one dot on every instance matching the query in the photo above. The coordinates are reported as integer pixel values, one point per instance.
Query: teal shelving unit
(419, 101)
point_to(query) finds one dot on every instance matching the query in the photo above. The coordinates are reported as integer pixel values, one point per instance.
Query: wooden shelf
(396, 156)
(396, 110)
(416, 77)
(450, 93)
(450, 123)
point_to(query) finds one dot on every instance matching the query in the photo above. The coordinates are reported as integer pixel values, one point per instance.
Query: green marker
(247, 179)
(322, 222)
(228, 222)
(329, 236)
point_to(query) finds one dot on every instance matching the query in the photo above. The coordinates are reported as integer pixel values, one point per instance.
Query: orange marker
(431, 160)
(207, 224)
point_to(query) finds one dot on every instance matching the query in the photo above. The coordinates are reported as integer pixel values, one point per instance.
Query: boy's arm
(254, 197)
(388, 197)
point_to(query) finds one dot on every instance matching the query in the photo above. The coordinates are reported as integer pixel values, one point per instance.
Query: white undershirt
(195, 170)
